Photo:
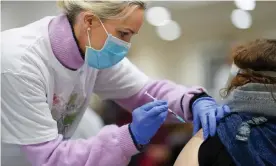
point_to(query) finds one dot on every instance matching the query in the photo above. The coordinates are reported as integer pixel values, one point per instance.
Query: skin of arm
(189, 154)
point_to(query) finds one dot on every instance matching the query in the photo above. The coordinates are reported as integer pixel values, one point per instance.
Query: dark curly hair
(258, 55)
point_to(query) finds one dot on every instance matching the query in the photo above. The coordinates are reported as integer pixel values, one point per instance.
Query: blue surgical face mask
(113, 51)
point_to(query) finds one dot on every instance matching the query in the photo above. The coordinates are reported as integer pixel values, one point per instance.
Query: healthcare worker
(51, 67)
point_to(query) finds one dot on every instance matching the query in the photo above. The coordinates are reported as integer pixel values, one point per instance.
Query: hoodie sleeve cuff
(126, 141)
(197, 96)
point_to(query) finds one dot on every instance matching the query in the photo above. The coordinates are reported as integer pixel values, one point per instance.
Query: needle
(177, 116)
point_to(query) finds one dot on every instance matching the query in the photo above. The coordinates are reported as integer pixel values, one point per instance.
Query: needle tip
(180, 119)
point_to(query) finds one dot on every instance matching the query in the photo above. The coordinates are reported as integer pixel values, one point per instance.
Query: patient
(247, 136)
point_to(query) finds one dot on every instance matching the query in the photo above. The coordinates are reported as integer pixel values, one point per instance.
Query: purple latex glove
(147, 119)
(206, 113)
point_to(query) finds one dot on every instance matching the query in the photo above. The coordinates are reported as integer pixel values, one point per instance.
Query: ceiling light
(158, 16)
(170, 31)
(246, 4)
(241, 19)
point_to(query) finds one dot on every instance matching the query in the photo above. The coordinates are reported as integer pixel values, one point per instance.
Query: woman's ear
(88, 19)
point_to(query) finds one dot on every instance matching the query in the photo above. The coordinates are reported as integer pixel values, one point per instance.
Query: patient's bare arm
(189, 155)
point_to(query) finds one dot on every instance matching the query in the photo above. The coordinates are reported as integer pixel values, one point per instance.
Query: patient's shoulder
(189, 155)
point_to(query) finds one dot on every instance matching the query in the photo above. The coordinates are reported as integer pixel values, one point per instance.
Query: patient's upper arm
(189, 154)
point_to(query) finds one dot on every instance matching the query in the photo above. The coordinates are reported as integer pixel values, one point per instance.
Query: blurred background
(188, 42)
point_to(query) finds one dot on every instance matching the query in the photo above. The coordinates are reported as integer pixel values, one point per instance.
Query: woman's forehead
(135, 20)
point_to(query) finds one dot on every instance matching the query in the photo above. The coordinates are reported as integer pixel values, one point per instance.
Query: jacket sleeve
(112, 146)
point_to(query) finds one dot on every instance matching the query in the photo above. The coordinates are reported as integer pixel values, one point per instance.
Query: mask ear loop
(103, 26)
(232, 73)
(88, 35)
(88, 32)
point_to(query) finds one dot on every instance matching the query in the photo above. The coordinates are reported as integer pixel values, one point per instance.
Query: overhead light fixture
(241, 19)
(158, 16)
(170, 31)
(245, 4)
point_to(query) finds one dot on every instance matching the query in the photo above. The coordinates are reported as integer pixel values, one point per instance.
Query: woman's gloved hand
(206, 113)
(147, 119)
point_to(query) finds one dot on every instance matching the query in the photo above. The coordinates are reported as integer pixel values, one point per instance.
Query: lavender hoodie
(113, 146)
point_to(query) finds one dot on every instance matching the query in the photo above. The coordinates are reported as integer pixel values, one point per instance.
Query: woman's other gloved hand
(206, 113)
(147, 119)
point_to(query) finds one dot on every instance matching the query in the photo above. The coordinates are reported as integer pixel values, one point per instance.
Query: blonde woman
(51, 67)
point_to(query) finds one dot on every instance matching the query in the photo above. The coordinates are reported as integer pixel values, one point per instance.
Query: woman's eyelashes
(123, 34)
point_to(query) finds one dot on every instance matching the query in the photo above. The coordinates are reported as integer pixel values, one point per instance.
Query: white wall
(168, 60)
(19, 13)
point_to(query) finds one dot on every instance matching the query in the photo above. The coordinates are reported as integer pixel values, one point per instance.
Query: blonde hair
(111, 9)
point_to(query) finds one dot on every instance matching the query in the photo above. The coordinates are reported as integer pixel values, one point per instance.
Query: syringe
(177, 116)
